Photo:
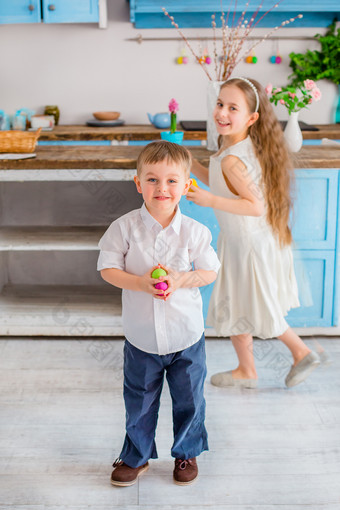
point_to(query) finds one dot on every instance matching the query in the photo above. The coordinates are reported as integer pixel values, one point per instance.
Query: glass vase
(212, 95)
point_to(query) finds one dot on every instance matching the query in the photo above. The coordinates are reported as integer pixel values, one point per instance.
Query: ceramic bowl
(106, 115)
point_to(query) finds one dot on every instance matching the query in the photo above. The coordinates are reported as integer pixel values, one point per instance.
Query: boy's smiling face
(162, 184)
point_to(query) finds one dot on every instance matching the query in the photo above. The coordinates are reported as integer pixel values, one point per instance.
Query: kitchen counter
(57, 205)
(148, 132)
(125, 157)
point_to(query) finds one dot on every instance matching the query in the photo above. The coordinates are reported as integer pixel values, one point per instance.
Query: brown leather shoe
(186, 471)
(124, 475)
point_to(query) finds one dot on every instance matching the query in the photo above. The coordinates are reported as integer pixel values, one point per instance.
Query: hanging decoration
(251, 59)
(204, 57)
(183, 57)
(276, 58)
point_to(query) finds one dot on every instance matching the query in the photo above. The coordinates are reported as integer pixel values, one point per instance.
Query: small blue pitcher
(160, 120)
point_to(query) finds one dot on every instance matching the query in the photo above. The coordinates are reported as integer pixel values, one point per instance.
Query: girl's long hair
(273, 155)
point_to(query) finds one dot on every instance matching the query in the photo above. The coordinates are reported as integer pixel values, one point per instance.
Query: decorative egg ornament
(156, 273)
(161, 286)
(194, 183)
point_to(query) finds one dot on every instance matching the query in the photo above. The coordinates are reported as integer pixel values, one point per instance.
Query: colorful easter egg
(161, 286)
(156, 273)
(194, 183)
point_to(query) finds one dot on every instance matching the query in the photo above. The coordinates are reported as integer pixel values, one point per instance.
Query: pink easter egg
(161, 286)
(185, 60)
(278, 59)
(208, 60)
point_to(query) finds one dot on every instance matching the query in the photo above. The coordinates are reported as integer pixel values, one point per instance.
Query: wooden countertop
(148, 132)
(124, 157)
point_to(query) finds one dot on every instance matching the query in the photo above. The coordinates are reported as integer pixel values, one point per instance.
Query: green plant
(318, 65)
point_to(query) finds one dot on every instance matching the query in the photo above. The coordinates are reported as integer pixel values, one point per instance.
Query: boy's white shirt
(135, 243)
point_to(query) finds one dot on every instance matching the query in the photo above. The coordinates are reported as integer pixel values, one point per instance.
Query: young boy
(164, 329)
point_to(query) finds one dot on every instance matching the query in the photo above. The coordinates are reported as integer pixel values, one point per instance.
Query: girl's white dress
(256, 285)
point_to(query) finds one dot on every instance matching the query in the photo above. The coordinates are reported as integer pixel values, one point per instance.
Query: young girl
(249, 179)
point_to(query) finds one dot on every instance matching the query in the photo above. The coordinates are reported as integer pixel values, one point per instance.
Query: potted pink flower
(294, 99)
(173, 135)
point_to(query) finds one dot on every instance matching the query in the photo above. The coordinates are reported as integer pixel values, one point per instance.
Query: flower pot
(176, 137)
(292, 133)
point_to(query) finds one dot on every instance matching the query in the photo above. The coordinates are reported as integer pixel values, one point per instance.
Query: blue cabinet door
(314, 271)
(197, 13)
(64, 11)
(314, 216)
(20, 11)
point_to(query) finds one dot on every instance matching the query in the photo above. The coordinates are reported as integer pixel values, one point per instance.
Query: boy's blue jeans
(143, 382)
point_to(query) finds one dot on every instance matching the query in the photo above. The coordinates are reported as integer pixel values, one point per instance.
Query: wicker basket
(18, 141)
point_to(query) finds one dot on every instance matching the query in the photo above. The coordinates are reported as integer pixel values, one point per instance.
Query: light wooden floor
(62, 425)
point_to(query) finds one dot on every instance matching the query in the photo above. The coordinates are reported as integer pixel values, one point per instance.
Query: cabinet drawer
(315, 276)
(64, 11)
(20, 11)
(315, 209)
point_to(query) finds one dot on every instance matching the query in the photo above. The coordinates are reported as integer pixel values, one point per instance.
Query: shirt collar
(150, 222)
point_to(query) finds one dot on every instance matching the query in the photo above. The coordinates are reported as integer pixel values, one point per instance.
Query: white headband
(253, 88)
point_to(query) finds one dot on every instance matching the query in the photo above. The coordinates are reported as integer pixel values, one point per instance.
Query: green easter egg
(156, 273)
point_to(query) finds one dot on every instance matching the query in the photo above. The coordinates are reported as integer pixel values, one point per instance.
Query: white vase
(213, 90)
(292, 132)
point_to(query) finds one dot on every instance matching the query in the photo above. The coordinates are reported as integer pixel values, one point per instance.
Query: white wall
(82, 69)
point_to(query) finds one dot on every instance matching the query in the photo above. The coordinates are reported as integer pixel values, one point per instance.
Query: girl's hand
(201, 197)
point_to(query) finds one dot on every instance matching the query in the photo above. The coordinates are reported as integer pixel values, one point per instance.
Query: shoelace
(182, 464)
(117, 462)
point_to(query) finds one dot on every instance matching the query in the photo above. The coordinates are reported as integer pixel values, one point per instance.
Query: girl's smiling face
(232, 116)
(162, 184)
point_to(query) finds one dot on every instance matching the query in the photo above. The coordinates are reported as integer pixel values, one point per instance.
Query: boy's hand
(173, 279)
(147, 284)
(200, 197)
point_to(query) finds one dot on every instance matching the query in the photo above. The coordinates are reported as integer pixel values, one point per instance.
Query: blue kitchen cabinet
(197, 13)
(49, 11)
(314, 215)
(315, 220)
(314, 270)
(315, 223)
(20, 11)
(64, 11)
